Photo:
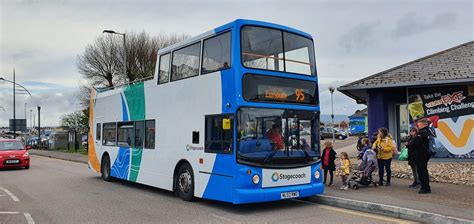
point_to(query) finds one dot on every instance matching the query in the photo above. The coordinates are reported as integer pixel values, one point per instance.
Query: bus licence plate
(290, 194)
(12, 161)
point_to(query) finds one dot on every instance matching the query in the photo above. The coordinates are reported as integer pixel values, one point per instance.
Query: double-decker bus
(230, 115)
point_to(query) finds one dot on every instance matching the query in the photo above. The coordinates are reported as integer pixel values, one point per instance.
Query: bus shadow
(241, 209)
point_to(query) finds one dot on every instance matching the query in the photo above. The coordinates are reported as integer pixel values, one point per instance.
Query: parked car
(14, 154)
(326, 132)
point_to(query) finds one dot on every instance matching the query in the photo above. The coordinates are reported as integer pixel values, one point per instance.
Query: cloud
(361, 36)
(42, 39)
(412, 23)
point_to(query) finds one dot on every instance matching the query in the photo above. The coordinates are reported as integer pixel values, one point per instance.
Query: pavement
(59, 191)
(447, 203)
(73, 157)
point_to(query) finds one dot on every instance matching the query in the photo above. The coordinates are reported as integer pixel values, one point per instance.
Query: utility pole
(14, 111)
(331, 90)
(39, 127)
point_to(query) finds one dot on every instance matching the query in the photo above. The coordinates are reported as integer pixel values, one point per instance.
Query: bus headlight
(255, 179)
(317, 174)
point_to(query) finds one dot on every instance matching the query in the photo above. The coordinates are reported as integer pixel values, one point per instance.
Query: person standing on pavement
(384, 148)
(411, 157)
(344, 170)
(329, 156)
(422, 155)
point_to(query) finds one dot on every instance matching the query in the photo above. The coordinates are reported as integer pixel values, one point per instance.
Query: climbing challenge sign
(451, 112)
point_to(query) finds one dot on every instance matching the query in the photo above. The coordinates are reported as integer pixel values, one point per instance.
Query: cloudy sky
(353, 39)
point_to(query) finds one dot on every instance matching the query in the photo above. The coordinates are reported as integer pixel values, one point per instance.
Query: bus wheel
(105, 169)
(185, 182)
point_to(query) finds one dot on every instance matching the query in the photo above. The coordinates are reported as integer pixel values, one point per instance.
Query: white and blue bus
(230, 115)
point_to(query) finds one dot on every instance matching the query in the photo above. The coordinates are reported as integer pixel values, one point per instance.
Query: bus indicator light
(201, 161)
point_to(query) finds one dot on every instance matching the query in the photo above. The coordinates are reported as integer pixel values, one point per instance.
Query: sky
(353, 39)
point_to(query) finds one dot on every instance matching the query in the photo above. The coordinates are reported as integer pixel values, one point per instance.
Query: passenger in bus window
(275, 136)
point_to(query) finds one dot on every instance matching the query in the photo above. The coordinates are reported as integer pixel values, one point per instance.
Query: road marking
(10, 194)
(8, 213)
(28, 217)
(358, 213)
(364, 214)
(224, 218)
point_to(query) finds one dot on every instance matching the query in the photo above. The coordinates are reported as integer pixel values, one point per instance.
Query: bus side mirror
(226, 124)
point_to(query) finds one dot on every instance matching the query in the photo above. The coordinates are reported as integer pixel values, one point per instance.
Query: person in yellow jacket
(384, 147)
(344, 170)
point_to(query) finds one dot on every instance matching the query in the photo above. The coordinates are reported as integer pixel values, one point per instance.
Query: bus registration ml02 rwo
(230, 115)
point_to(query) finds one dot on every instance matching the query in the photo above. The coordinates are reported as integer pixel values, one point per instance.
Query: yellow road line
(359, 213)
(364, 214)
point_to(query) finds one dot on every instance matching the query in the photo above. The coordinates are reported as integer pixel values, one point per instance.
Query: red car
(14, 154)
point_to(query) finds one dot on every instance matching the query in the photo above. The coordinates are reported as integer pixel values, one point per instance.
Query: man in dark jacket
(411, 156)
(422, 155)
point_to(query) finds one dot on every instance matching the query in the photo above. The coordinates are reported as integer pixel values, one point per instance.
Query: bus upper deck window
(164, 71)
(216, 53)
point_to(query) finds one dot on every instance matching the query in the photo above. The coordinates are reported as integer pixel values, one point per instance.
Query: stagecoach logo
(277, 176)
(190, 147)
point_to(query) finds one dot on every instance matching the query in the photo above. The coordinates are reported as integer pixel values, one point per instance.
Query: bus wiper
(270, 156)
(306, 154)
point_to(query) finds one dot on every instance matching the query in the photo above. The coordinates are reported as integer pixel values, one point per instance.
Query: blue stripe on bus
(124, 109)
(121, 164)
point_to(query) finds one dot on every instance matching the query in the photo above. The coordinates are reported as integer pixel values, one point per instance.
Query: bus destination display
(278, 89)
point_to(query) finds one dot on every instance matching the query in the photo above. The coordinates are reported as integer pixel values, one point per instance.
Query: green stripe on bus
(135, 95)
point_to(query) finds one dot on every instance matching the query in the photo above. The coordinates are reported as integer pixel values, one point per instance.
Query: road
(58, 191)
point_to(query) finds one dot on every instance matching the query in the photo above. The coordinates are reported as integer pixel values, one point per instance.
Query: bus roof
(238, 23)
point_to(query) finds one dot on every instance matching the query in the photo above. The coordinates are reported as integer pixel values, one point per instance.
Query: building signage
(449, 101)
(451, 112)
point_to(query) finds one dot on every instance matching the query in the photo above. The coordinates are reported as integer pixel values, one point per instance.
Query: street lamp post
(14, 93)
(331, 90)
(124, 49)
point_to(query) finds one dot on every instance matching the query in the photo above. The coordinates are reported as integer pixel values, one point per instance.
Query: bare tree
(142, 51)
(100, 63)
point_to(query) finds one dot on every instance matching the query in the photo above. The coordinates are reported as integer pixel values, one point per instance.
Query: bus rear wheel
(185, 182)
(105, 169)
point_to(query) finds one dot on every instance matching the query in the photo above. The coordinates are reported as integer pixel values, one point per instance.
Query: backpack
(431, 143)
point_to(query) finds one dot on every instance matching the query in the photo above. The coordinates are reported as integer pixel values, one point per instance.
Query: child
(344, 170)
(365, 145)
(329, 155)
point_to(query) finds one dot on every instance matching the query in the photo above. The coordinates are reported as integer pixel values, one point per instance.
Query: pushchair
(363, 175)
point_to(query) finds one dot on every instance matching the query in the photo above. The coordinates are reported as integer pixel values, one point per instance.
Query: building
(439, 87)
(358, 122)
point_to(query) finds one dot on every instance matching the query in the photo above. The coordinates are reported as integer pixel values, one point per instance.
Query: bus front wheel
(105, 169)
(185, 182)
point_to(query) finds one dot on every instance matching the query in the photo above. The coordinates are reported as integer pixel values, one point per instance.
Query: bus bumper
(242, 196)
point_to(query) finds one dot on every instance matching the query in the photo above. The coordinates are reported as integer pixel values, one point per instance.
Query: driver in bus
(275, 136)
